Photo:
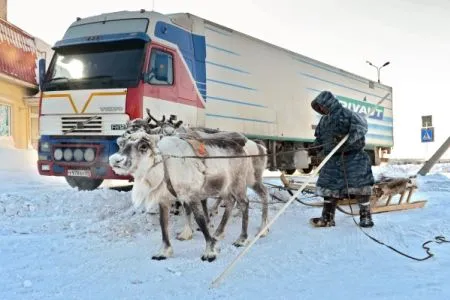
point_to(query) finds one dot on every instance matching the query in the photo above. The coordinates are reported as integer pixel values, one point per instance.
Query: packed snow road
(60, 243)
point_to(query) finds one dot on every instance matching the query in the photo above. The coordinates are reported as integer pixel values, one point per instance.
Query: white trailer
(265, 91)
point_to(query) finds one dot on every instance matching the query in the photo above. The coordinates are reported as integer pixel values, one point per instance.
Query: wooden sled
(383, 192)
(387, 189)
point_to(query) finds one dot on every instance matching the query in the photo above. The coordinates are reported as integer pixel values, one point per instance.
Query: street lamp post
(378, 68)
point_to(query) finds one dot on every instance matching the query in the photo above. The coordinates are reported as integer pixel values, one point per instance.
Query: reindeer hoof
(164, 253)
(265, 233)
(185, 235)
(219, 236)
(209, 257)
(240, 242)
(211, 253)
(158, 257)
(182, 237)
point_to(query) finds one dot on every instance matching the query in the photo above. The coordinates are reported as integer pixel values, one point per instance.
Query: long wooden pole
(435, 158)
(216, 282)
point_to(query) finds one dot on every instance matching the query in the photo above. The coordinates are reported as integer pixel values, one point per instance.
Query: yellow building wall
(13, 96)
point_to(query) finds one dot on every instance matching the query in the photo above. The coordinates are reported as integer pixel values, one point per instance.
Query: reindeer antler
(178, 124)
(149, 116)
(149, 120)
(174, 118)
(152, 118)
(171, 120)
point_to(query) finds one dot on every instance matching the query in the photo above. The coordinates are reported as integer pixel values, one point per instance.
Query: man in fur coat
(349, 171)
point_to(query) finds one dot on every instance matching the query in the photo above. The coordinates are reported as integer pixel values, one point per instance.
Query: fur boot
(365, 215)
(328, 211)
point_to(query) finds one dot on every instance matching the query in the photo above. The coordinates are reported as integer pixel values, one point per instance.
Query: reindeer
(387, 187)
(161, 177)
(259, 162)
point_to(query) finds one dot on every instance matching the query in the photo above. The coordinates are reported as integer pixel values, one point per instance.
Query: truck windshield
(99, 65)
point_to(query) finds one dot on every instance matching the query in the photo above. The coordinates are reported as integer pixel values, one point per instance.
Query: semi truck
(110, 68)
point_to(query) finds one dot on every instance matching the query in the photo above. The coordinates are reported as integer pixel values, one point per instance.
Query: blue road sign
(427, 134)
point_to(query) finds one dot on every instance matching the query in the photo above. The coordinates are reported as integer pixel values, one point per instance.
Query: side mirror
(147, 77)
(42, 65)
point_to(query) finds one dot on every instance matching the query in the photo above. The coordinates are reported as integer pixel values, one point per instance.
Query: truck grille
(82, 124)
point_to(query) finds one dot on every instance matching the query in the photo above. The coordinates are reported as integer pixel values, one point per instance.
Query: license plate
(81, 173)
(118, 126)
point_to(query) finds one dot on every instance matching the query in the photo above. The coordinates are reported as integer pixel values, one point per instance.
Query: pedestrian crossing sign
(427, 134)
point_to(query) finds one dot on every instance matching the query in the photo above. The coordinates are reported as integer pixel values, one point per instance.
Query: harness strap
(198, 147)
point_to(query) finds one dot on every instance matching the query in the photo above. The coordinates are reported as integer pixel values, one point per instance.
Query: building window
(160, 68)
(427, 121)
(5, 120)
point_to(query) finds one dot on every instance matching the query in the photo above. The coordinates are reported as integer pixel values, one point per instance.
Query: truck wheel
(290, 171)
(372, 157)
(84, 184)
(307, 170)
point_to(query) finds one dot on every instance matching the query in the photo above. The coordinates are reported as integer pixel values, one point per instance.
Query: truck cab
(102, 72)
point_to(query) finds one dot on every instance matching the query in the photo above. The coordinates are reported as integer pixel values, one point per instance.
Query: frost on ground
(60, 243)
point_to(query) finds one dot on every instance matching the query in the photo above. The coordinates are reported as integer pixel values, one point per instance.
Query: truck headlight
(45, 146)
(58, 154)
(89, 154)
(78, 154)
(68, 154)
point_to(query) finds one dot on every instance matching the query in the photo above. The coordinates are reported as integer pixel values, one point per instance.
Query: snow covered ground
(60, 243)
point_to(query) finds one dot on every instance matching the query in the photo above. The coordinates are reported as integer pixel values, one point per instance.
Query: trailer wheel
(84, 184)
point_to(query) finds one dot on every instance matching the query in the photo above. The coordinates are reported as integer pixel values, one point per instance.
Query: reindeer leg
(244, 232)
(215, 209)
(238, 209)
(229, 203)
(187, 232)
(166, 249)
(262, 193)
(205, 212)
(210, 251)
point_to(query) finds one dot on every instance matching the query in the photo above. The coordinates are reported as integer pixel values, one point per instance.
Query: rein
(437, 239)
(242, 156)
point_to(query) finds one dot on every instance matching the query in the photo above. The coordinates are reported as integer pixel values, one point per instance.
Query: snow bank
(407, 170)
(18, 159)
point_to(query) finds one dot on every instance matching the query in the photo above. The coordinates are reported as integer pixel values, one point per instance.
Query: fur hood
(326, 99)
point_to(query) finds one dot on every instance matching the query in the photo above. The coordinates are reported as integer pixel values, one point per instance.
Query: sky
(412, 34)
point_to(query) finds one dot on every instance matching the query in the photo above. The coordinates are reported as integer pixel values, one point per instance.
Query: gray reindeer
(161, 178)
